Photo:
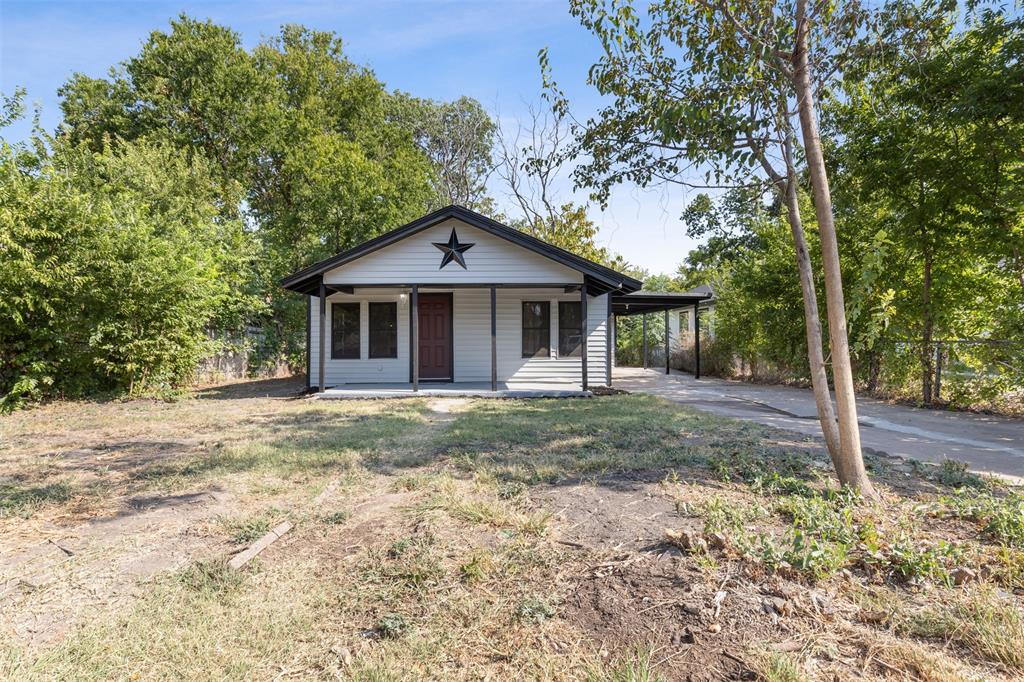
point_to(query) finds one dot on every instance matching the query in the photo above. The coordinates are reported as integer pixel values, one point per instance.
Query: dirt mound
(697, 631)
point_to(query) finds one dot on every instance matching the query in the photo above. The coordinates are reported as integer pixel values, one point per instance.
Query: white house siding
(365, 369)
(472, 340)
(491, 260)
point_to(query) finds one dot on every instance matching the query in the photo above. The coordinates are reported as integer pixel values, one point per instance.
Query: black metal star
(453, 251)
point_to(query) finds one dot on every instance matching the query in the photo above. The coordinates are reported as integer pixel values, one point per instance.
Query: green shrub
(117, 265)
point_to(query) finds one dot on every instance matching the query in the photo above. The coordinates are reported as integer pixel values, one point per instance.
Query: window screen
(570, 329)
(344, 331)
(383, 330)
(536, 329)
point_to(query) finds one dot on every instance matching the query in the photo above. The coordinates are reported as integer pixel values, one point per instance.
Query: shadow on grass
(635, 439)
(618, 438)
(618, 441)
(288, 387)
(307, 443)
(17, 499)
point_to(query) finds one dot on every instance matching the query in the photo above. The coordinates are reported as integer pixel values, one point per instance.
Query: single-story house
(455, 300)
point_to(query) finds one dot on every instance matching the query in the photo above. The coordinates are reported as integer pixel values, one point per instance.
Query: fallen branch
(255, 548)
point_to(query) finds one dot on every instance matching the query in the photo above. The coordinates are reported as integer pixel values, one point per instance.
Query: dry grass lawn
(616, 538)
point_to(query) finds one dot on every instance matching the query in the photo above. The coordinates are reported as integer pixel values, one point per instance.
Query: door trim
(451, 337)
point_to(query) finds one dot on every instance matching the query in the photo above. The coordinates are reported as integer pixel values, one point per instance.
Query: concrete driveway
(987, 443)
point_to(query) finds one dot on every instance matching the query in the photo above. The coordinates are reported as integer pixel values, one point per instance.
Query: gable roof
(599, 278)
(701, 290)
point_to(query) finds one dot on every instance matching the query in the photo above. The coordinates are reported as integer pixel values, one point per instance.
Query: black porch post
(583, 330)
(696, 341)
(668, 351)
(309, 338)
(414, 335)
(323, 337)
(609, 339)
(644, 326)
(494, 339)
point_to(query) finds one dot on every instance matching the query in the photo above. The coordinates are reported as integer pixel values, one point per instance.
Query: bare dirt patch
(52, 576)
(660, 603)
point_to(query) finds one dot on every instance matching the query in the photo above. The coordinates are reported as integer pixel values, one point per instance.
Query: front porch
(458, 389)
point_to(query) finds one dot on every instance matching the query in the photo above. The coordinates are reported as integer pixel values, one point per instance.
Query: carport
(643, 303)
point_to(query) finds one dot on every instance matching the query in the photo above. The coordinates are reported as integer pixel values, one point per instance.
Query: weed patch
(534, 610)
(24, 501)
(987, 625)
(1000, 518)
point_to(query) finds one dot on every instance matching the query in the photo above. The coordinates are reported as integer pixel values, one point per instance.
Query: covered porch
(459, 389)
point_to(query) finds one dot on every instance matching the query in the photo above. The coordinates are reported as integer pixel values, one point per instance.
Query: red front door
(435, 333)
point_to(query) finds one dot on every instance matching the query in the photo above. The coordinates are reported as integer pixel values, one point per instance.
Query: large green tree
(458, 137)
(728, 90)
(929, 151)
(304, 131)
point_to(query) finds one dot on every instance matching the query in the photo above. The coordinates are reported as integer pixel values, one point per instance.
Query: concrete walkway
(987, 443)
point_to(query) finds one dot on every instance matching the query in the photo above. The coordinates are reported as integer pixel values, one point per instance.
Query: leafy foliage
(117, 263)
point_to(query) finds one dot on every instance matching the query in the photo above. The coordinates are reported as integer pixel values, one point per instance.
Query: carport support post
(494, 339)
(644, 327)
(414, 335)
(696, 341)
(323, 337)
(668, 352)
(585, 333)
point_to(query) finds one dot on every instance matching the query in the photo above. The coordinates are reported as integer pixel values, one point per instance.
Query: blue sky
(437, 49)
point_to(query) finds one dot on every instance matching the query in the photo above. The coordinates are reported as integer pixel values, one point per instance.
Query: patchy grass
(507, 540)
(1000, 517)
(779, 667)
(25, 500)
(985, 624)
(247, 530)
(635, 666)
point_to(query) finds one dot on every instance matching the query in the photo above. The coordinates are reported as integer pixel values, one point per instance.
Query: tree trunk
(874, 371)
(850, 464)
(927, 329)
(812, 321)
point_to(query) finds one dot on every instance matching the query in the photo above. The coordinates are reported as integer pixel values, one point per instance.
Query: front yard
(616, 538)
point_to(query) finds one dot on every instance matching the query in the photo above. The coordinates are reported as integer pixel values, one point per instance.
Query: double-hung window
(536, 329)
(383, 330)
(570, 329)
(344, 331)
